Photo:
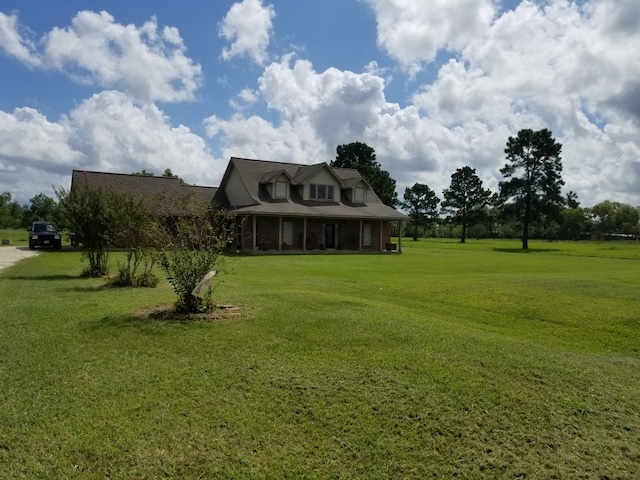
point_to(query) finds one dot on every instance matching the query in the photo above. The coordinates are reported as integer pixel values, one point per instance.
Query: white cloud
(107, 132)
(27, 138)
(248, 26)
(254, 137)
(413, 32)
(569, 66)
(146, 63)
(35, 154)
(559, 65)
(317, 111)
(117, 135)
(12, 42)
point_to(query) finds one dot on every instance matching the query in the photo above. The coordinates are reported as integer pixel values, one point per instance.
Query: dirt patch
(168, 313)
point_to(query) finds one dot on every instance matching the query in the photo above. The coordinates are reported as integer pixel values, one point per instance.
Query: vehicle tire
(31, 246)
(58, 246)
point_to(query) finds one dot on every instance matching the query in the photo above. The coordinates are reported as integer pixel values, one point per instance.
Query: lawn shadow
(47, 278)
(521, 250)
(108, 323)
(49, 250)
(89, 288)
(154, 318)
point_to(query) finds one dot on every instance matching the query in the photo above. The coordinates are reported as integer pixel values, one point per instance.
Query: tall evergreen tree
(421, 204)
(465, 198)
(533, 176)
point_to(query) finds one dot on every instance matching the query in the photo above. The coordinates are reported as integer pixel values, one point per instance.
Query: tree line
(528, 204)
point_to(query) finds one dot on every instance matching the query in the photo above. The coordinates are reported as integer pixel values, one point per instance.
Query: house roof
(350, 177)
(254, 172)
(271, 176)
(164, 192)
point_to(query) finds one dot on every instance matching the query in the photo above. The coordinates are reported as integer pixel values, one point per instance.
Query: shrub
(195, 242)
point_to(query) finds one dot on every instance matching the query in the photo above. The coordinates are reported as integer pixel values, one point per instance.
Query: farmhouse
(280, 207)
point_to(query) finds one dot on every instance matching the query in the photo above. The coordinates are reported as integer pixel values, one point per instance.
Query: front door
(330, 235)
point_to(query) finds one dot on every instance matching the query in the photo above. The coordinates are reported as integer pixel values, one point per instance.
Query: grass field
(17, 237)
(448, 361)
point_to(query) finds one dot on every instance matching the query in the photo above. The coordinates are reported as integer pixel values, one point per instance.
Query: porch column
(380, 237)
(254, 231)
(304, 235)
(280, 235)
(360, 239)
(399, 236)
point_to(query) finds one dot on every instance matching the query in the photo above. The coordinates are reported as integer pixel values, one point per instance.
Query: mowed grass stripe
(443, 361)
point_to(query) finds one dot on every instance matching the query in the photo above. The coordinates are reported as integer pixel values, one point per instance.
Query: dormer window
(359, 195)
(280, 190)
(321, 192)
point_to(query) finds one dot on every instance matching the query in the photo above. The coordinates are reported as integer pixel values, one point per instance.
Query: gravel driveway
(10, 255)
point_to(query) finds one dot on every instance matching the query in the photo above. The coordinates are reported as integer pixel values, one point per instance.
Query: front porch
(271, 234)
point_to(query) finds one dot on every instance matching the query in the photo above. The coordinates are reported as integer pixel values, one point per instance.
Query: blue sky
(431, 86)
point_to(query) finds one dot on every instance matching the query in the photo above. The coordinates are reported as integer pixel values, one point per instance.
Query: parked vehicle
(44, 234)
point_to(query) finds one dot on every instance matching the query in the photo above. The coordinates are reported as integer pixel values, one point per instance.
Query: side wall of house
(236, 191)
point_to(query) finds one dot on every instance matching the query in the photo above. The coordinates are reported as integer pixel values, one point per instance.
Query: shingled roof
(164, 192)
(253, 173)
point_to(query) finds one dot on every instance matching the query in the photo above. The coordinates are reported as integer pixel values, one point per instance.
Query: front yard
(474, 361)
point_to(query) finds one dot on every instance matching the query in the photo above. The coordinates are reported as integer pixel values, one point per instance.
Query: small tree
(138, 233)
(195, 242)
(11, 212)
(422, 205)
(91, 213)
(465, 199)
(42, 207)
(534, 178)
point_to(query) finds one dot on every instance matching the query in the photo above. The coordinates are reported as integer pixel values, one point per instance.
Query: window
(358, 195)
(321, 192)
(280, 190)
(287, 233)
(366, 235)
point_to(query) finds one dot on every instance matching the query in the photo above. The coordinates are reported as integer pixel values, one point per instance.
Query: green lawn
(466, 361)
(17, 237)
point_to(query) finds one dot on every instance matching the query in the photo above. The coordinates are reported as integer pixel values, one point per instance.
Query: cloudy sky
(431, 85)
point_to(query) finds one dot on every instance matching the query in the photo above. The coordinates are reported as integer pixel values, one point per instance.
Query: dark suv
(44, 234)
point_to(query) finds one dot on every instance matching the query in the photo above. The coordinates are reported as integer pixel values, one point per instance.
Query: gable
(236, 190)
(322, 177)
(278, 185)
